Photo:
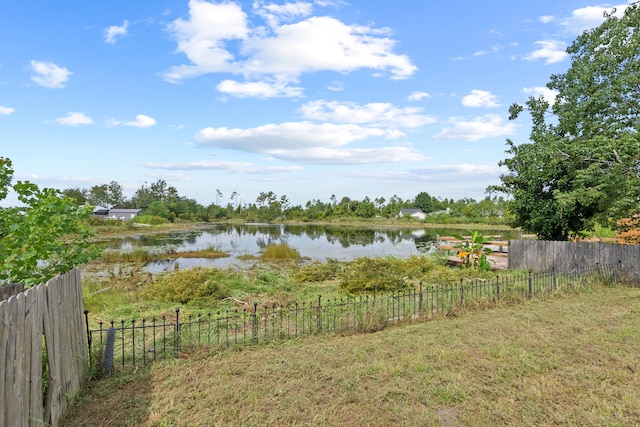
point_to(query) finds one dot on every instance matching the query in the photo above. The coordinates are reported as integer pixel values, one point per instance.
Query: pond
(313, 242)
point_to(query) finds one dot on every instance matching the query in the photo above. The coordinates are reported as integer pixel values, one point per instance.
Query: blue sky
(306, 99)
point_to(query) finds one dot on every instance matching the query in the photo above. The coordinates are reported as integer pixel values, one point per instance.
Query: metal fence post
(86, 321)
(176, 344)
(319, 314)
(254, 324)
(530, 286)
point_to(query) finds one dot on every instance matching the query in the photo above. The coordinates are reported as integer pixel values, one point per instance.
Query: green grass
(561, 361)
(143, 255)
(280, 251)
(128, 290)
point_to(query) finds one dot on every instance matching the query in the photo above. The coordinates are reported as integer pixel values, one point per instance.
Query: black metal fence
(138, 342)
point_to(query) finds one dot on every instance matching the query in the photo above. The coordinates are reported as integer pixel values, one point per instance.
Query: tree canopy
(582, 163)
(45, 237)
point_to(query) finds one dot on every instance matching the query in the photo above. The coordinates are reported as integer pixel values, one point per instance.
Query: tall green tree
(424, 202)
(44, 237)
(582, 163)
(79, 194)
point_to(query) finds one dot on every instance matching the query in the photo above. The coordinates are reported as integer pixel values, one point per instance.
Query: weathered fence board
(7, 291)
(36, 413)
(568, 257)
(54, 310)
(4, 338)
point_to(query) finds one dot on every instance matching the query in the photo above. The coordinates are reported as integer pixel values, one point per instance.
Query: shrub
(102, 222)
(149, 220)
(189, 286)
(318, 271)
(280, 251)
(368, 274)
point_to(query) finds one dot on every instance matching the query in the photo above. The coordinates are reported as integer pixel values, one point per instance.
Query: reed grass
(281, 251)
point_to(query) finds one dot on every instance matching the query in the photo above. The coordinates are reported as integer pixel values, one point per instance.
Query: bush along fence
(127, 344)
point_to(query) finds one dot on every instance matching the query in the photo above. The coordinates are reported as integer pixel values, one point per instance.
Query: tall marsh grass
(280, 251)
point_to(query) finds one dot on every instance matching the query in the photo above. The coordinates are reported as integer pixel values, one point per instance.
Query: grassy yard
(571, 360)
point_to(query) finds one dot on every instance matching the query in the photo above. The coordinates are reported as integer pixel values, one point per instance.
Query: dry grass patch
(569, 361)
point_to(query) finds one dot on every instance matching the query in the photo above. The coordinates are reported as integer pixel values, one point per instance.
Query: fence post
(420, 299)
(86, 321)
(319, 314)
(176, 344)
(461, 293)
(254, 324)
(530, 286)
(133, 341)
(498, 286)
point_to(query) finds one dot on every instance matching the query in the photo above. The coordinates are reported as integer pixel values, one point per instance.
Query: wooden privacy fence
(541, 255)
(7, 291)
(45, 323)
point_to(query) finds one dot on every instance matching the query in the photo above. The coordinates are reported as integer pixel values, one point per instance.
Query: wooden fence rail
(540, 255)
(45, 323)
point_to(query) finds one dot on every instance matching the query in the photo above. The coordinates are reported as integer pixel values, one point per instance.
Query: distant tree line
(162, 200)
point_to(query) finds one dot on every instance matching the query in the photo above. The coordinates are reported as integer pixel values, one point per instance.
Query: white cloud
(480, 98)
(494, 49)
(589, 17)
(330, 3)
(448, 172)
(375, 114)
(6, 110)
(273, 13)
(336, 86)
(310, 143)
(141, 121)
(548, 94)
(418, 96)
(289, 136)
(259, 89)
(235, 167)
(552, 51)
(74, 119)
(487, 126)
(114, 31)
(49, 75)
(324, 43)
(352, 156)
(202, 38)
(174, 177)
(280, 52)
(546, 19)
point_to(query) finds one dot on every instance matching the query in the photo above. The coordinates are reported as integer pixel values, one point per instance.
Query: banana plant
(473, 252)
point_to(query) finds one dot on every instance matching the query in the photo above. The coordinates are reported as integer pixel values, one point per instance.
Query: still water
(313, 242)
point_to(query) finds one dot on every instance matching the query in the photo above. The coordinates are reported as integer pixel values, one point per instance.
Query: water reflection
(315, 242)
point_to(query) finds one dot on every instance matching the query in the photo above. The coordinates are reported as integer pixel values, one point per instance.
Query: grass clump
(369, 274)
(193, 286)
(143, 255)
(392, 274)
(281, 251)
(149, 220)
(318, 271)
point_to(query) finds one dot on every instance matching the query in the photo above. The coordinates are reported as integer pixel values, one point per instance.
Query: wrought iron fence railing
(122, 344)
